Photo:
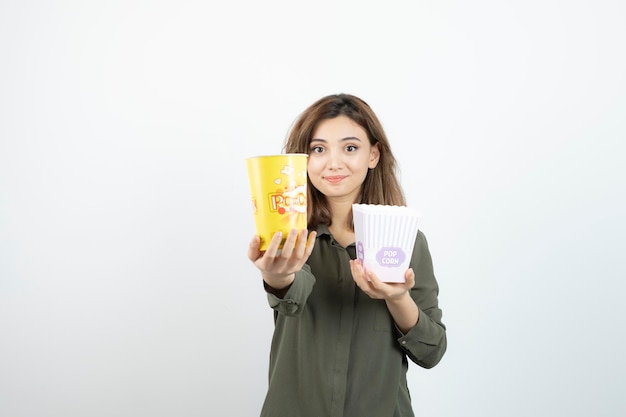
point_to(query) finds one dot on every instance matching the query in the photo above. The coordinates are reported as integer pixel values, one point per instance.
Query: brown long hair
(381, 185)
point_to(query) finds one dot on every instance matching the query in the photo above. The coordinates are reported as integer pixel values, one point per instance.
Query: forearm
(291, 299)
(404, 311)
(278, 285)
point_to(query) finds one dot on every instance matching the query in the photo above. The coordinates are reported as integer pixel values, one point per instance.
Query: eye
(317, 149)
(351, 148)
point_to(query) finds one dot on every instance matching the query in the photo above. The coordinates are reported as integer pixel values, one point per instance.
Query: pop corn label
(390, 257)
(289, 199)
(286, 201)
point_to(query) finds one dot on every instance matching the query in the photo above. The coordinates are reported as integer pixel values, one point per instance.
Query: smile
(335, 179)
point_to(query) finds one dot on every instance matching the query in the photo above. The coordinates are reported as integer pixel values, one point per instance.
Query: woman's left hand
(371, 285)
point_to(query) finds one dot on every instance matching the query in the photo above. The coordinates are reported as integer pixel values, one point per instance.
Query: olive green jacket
(336, 352)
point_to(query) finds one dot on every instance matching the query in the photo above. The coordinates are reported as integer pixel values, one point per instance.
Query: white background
(125, 216)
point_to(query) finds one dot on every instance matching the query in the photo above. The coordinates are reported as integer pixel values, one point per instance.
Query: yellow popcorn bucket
(278, 187)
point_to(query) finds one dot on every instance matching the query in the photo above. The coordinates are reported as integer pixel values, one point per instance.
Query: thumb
(410, 277)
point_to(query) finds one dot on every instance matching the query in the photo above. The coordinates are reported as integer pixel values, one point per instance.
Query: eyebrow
(341, 140)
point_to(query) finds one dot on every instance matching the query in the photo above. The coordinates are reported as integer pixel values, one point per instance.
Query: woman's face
(339, 156)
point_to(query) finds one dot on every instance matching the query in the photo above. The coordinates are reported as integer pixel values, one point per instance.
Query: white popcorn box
(385, 236)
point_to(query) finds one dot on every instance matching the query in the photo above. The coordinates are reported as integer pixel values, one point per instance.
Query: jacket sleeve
(297, 294)
(426, 343)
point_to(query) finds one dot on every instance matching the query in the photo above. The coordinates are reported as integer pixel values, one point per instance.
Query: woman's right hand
(278, 266)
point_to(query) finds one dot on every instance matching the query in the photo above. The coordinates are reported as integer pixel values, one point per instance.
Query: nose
(334, 160)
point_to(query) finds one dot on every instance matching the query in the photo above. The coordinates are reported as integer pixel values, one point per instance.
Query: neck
(340, 227)
(342, 213)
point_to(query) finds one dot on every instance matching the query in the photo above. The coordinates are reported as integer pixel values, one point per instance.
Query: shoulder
(420, 239)
(421, 252)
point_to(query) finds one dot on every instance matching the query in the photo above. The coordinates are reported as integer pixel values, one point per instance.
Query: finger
(359, 274)
(310, 244)
(289, 244)
(301, 244)
(354, 266)
(354, 269)
(253, 248)
(356, 274)
(274, 245)
(374, 281)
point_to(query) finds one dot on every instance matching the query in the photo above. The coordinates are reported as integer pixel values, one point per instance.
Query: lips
(335, 178)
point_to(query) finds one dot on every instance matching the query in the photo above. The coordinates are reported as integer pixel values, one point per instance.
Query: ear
(374, 156)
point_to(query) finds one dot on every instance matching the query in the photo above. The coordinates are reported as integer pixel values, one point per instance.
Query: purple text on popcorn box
(360, 252)
(390, 257)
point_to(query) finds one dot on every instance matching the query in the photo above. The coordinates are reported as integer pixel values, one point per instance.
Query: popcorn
(385, 236)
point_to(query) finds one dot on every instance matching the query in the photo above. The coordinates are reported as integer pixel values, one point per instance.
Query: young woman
(343, 338)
